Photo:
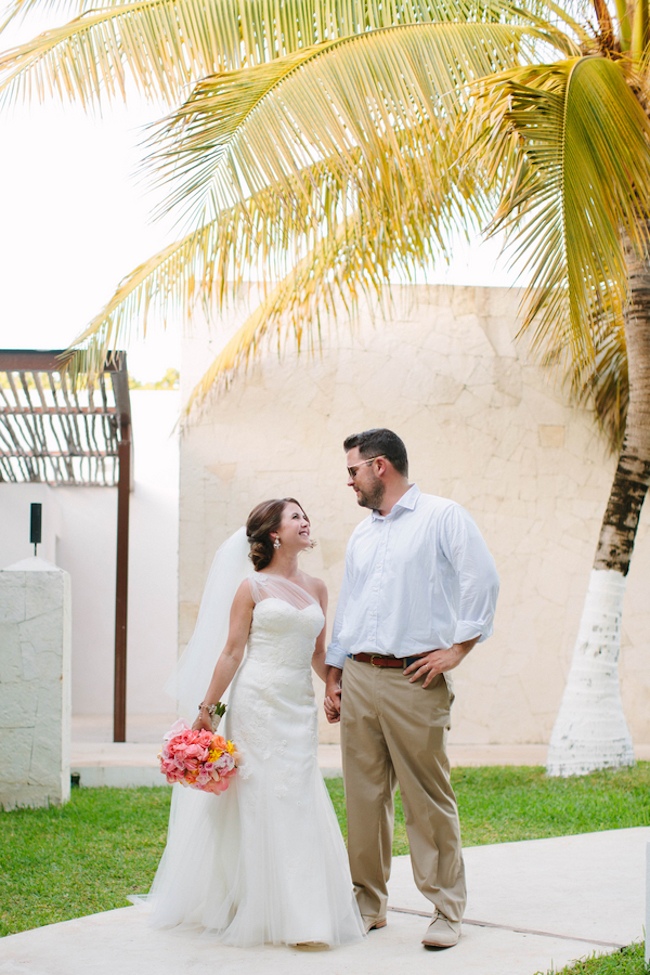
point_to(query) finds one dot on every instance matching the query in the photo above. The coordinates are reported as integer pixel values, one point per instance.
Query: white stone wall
(484, 425)
(35, 703)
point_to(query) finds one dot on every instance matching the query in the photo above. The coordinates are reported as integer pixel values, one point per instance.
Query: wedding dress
(264, 861)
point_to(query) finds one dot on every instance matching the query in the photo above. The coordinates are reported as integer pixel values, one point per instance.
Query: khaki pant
(393, 732)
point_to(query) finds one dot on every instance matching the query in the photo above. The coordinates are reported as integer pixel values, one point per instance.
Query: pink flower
(217, 787)
(185, 758)
(197, 751)
(226, 763)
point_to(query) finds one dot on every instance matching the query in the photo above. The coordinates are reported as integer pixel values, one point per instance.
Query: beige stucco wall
(483, 425)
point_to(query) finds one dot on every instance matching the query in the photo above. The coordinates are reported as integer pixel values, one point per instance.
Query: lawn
(626, 961)
(503, 804)
(68, 861)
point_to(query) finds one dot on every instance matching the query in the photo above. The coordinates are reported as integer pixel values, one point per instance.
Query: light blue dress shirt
(418, 579)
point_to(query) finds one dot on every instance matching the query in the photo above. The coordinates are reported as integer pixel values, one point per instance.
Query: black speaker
(35, 523)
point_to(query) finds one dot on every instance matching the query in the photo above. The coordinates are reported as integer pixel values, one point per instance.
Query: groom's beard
(373, 496)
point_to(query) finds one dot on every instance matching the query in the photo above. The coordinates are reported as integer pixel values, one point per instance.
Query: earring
(276, 543)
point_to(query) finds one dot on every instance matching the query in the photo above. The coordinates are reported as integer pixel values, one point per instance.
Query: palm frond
(605, 386)
(577, 142)
(164, 45)
(599, 382)
(18, 10)
(275, 230)
(334, 98)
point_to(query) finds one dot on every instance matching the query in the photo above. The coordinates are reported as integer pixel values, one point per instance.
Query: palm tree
(329, 142)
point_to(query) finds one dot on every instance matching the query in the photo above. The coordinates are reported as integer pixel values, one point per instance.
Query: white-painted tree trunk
(590, 730)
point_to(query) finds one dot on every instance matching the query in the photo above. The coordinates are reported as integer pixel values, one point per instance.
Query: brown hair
(264, 519)
(380, 442)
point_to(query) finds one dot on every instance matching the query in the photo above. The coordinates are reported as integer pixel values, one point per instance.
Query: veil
(190, 677)
(190, 814)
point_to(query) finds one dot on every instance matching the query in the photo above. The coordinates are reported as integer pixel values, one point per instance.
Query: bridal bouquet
(199, 759)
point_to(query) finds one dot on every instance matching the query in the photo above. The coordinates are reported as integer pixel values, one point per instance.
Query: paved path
(533, 906)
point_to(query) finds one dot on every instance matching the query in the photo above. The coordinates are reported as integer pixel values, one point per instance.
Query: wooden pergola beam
(26, 360)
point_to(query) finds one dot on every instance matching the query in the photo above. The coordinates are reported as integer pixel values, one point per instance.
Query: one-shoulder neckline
(279, 599)
(274, 575)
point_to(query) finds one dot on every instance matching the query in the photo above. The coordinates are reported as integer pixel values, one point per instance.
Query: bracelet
(213, 709)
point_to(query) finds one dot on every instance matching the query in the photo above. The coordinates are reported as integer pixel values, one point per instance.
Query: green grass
(80, 858)
(626, 961)
(503, 804)
(87, 856)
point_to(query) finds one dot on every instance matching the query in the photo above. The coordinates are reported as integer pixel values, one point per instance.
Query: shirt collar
(408, 501)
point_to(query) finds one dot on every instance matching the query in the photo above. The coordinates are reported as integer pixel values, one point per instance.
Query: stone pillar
(35, 697)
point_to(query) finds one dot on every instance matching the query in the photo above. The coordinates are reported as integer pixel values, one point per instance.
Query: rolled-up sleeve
(336, 655)
(478, 580)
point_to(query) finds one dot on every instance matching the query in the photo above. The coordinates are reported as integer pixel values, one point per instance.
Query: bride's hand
(332, 712)
(202, 723)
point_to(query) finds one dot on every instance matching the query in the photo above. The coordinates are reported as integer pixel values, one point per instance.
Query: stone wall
(35, 640)
(484, 425)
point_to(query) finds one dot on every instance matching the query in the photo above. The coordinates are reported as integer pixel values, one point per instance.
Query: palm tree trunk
(590, 731)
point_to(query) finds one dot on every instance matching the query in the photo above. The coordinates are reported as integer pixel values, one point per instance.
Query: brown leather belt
(383, 660)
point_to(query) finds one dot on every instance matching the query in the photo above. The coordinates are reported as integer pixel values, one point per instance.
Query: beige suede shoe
(441, 933)
(371, 923)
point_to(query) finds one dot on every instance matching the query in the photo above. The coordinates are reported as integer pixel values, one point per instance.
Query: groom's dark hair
(373, 443)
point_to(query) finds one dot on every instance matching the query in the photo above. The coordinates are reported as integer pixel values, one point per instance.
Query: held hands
(333, 709)
(438, 662)
(333, 695)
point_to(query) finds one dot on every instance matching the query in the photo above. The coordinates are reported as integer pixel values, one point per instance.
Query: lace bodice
(275, 675)
(282, 635)
(286, 621)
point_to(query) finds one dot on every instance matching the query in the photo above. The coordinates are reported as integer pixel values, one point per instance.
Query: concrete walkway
(532, 906)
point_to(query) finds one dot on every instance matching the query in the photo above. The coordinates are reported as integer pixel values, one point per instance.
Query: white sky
(74, 221)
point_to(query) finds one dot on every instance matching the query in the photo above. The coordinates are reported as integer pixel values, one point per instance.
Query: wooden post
(122, 579)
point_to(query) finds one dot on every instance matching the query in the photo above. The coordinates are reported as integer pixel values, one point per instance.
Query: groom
(419, 591)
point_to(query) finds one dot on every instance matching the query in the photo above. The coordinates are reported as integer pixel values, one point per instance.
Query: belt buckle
(372, 659)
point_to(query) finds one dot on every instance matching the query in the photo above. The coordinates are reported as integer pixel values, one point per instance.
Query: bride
(264, 861)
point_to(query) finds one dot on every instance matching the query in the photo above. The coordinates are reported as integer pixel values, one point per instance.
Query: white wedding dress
(264, 861)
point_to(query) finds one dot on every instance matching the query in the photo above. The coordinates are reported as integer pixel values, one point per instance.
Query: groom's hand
(333, 694)
(438, 662)
(332, 710)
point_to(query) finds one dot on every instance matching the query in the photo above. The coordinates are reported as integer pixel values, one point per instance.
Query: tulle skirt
(279, 876)
(264, 862)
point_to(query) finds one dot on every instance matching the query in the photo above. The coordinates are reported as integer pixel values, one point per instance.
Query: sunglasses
(352, 471)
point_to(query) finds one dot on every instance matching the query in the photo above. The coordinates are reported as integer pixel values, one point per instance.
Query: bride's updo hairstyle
(264, 519)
